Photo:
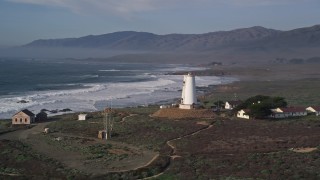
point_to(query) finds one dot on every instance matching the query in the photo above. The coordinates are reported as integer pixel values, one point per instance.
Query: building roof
(42, 112)
(234, 103)
(245, 110)
(26, 111)
(316, 108)
(293, 109)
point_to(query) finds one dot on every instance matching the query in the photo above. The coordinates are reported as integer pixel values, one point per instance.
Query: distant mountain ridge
(246, 38)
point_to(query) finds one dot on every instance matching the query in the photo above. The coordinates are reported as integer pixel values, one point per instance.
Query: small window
(25, 120)
(16, 120)
(21, 120)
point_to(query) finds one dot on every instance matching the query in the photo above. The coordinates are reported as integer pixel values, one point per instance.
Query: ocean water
(88, 86)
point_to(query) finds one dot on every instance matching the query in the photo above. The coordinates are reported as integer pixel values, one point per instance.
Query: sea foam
(95, 96)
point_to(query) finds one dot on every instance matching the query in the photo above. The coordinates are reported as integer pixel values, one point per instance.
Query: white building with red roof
(314, 109)
(288, 112)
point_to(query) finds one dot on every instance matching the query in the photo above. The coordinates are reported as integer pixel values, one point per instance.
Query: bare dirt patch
(303, 150)
(205, 123)
(176, 113)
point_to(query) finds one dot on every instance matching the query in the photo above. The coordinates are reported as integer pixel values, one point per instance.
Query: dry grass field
(297, 83)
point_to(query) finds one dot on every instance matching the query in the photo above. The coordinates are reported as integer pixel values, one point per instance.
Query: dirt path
(130, 164)
(153, 159)
(77, 160)
(188, 135)
(124, 118)
(29, 136)
(25, 133)
(192, 134)
(173, 154)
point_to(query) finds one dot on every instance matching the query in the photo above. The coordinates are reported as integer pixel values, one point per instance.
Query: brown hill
(245, 39)
(254, 44)
(144, 41)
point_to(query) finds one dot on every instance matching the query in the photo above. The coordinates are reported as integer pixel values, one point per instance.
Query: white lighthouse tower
(188, 98)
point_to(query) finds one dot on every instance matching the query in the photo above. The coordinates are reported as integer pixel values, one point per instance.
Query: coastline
(212, 91)
(166, 89)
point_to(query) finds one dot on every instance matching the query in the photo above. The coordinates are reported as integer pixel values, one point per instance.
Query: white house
(243, 113)
(314, 109)
(288, 112)
(232, 104)
(82, 117)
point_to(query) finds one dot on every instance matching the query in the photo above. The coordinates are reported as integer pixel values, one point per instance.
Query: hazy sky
(25, 20)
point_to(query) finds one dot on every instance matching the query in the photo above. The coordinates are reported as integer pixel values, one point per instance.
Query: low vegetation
(241, 149)
(89, 149)
(18, 160)
(260, 106)
(155, 132)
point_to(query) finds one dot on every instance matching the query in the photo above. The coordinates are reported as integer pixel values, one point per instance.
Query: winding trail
(187, 135)
(124, 118)
(154, 158)
(173, 154)
(74, 159)
(23, 135)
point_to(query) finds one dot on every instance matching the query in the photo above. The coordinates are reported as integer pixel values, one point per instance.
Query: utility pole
(108, 122)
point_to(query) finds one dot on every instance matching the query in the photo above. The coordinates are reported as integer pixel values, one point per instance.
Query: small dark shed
(41, 116)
